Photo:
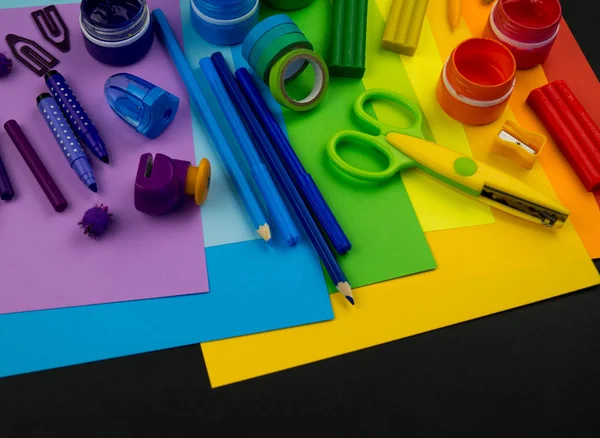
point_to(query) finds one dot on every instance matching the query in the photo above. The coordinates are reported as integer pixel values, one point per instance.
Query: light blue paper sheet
(253, 288)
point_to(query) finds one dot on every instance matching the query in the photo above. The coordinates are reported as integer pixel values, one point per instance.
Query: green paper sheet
(379, 219)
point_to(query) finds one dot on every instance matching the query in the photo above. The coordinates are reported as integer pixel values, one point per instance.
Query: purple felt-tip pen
(66, 140)
(78, 119)
(6, 190)
(36, 166)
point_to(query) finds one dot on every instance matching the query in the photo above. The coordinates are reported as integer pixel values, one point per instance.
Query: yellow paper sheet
(482, 270)
(437, 207)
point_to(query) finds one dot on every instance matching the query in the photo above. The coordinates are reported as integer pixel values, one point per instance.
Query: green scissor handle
(396, 159)
(380, 128)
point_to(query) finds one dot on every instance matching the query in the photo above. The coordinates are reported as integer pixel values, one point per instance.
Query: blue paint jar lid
(225, 9)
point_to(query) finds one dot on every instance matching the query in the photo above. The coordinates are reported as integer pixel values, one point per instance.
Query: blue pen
(66, 139)
(221, 80)
(302, 179)
(283, 178)
(75, 114)
(165, 35)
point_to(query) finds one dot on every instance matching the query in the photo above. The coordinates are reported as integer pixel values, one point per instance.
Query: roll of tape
(277, 50)
(288, 4)
(279, 72)
(268, 38)
(261, 29)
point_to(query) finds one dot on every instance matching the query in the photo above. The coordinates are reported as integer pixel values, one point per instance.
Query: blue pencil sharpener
(147, 108)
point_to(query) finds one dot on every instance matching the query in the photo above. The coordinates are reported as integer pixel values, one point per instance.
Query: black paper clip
(32, 55)
(52, 23)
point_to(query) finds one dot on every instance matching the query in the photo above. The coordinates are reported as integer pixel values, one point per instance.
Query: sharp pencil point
(344, 288)
(265, 232)
(105, 159)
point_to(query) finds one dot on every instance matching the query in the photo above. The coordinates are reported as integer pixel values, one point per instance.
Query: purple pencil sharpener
(162, 183)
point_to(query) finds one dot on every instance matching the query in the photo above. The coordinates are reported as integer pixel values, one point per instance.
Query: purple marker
(36, 166)
(66, 140)
(75, 114)
(6, 190)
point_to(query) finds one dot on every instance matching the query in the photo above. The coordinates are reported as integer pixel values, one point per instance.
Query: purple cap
(159, 184)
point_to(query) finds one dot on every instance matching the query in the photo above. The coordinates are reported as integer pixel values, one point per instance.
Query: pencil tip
(265, 232)
(346, 290)
(104, 159)
(93, 187)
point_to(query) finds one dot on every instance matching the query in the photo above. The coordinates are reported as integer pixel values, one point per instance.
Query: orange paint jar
(477, 81)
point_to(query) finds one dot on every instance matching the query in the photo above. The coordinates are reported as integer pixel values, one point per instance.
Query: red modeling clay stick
(552, 117)
(571, 127)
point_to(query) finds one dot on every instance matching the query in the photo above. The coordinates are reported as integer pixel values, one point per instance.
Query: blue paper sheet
(253, 288)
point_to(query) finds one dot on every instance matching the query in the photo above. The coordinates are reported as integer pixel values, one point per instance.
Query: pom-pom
(96, 221)
(6, 65)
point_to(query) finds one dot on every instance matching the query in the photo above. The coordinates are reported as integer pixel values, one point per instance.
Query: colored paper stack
(488, 261)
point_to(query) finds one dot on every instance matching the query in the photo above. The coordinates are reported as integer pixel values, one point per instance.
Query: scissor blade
(546, 216)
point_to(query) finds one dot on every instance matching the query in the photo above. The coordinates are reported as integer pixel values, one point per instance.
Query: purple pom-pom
(96, 220)
(6, 65)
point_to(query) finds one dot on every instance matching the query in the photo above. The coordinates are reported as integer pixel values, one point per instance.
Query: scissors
(406, 147)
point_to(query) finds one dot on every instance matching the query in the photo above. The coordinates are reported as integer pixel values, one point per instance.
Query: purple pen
(39, 171)
(6, 190)
(75, 114)
(66, 140)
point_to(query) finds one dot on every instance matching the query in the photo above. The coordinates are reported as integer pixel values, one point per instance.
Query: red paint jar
(527, 27)
(477, 81)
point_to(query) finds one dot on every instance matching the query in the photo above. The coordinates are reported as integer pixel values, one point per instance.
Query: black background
(530, 372)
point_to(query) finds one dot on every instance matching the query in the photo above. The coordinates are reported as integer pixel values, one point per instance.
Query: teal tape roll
(261, 29)
(276, 50)
(288, 4)
(268, 38)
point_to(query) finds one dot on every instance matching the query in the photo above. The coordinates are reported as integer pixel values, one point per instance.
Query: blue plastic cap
(224, 9)
(144, 106)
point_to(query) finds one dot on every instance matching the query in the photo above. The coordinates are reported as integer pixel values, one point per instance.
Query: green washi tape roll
(279, 73)
(278, 48)
(288, 4)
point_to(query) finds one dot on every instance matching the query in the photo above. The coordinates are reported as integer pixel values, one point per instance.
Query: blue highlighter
(147, 108)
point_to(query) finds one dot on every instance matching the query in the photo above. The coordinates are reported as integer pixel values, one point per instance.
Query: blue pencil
(215, 69)
(165, 34)
(303, 180)
(278, 169)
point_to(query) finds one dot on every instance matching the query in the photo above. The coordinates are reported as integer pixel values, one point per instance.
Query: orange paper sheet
(585, 214)
(482, 270)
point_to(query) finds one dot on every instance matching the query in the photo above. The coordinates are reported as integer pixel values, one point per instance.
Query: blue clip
(147, 108)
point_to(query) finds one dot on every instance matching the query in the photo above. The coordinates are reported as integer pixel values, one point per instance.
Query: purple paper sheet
(45, 259)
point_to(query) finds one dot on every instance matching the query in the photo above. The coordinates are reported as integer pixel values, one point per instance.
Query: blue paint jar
(224, 22)
(116, 32)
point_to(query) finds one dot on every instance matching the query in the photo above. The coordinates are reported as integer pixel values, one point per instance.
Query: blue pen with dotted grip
(75, 114)
(66, 140)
